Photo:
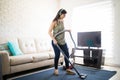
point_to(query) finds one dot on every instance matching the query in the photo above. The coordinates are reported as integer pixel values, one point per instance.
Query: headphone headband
(61, 11)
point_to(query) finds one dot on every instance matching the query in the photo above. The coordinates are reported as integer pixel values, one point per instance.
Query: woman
(56, 26)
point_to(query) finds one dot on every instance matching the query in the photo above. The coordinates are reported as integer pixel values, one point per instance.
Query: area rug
(93, 74)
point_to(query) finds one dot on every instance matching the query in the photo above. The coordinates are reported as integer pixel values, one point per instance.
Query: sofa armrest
(5, 61)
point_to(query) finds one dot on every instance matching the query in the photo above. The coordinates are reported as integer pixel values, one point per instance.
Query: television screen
(89, 39)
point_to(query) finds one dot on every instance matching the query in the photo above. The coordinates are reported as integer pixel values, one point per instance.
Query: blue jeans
(57, 54)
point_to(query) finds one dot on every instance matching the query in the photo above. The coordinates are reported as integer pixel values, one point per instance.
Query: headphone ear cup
(60, 13)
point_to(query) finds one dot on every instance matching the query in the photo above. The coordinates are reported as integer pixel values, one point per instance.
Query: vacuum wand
(82, 76)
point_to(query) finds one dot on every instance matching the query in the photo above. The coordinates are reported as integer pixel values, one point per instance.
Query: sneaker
(70, 72)
(56, 72)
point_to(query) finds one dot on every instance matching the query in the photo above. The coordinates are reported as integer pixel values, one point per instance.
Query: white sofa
(36, 53)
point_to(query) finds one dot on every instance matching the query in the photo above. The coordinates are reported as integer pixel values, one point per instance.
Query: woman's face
(62, 16)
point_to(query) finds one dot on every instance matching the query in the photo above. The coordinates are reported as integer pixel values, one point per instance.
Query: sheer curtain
(97, 16)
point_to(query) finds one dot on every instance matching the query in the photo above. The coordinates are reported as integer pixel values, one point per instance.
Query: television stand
(91, 57)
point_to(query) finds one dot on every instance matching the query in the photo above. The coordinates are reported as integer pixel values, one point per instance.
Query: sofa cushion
(43, 45)
(22, 59)
(14, 49)
(52, 55)
(40, 56)
(27, 45)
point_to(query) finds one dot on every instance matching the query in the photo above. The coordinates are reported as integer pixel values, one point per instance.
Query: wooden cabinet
(91, 57)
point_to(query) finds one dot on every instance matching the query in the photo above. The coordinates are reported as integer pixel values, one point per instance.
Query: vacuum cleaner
(81, 75)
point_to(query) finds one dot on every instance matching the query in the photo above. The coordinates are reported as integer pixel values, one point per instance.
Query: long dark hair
(59, 13)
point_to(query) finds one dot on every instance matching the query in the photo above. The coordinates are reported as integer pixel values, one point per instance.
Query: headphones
(61, 11)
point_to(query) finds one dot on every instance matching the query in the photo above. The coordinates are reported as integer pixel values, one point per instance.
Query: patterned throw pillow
(3, 47)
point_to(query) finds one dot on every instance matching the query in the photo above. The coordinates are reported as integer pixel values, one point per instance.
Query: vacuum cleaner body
(82, 76)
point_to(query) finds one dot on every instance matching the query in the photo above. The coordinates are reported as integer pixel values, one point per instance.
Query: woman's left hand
(69, 30)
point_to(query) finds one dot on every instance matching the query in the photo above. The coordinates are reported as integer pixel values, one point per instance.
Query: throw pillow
(14, 49)
(3, 47)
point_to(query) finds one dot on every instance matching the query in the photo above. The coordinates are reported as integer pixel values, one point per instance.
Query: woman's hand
(55, 42)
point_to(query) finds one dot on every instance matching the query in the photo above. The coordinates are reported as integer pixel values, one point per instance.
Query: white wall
(69, 5)
(26, 17)
(33, 17)
(117, 32)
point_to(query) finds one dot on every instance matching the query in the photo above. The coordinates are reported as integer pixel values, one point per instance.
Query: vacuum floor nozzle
(83, 76)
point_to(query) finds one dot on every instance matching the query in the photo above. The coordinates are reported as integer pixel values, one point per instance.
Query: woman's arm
(50, 32)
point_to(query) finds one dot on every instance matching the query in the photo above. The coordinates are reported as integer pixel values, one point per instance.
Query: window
(95, 17)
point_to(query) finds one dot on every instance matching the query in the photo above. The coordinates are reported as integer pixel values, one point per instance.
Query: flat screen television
(89, 39)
